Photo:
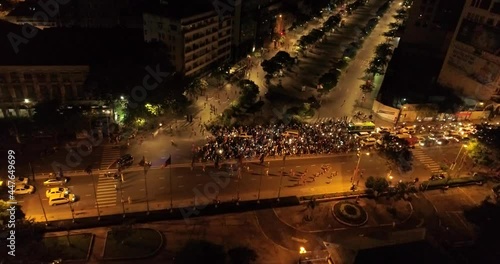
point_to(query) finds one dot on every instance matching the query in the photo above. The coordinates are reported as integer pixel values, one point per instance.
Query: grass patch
(124, 243)
(72, 247)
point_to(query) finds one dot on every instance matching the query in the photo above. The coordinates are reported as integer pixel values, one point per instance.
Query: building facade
(472, 63)
(431, 25)
(195, 42)
(79, 13)
(21, 87)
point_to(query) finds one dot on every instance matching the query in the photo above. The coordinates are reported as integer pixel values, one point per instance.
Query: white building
(472, 63)
(196, 37)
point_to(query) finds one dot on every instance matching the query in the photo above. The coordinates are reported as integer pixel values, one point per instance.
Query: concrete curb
(162, 242)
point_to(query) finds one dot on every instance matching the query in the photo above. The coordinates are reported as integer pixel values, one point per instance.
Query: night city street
(254, 131)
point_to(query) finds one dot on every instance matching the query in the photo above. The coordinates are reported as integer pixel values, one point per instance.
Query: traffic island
(69, 248)
(124, 243)
(349, 213)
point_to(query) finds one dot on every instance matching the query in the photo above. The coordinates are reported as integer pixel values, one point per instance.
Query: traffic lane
(82, 187)
(187, 184)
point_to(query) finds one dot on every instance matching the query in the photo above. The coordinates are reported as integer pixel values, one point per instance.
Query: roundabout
(349, 213)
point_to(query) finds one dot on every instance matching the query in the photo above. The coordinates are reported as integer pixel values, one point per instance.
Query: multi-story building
(427, 34)
(22, 86)
(197, 37)
(253, 24)
(55, 64)
(78, 13)
(472, 64)
(431, 24)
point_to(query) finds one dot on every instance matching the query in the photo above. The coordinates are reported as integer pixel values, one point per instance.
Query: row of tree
(329, 80)
(280, 61)
(384, 51)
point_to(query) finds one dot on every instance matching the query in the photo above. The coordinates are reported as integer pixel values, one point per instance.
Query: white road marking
(299, 240)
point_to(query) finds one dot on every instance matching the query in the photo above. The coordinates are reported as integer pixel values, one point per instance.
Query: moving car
(426, 142)
(368, 142)
(55, 181)
(125, 160)
(57, 191)
(61, 199)
(442, 141)
(24, 189)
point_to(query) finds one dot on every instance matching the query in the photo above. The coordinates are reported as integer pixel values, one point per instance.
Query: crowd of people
(277, 140)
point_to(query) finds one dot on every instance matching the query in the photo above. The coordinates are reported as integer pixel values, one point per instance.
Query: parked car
(61, 199)
(55, 181)
(24, 189)
(125, 160)
(57, 190)
(21, 181)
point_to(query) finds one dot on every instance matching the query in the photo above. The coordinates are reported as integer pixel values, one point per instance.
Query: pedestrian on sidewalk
(129, 200)
(116, 188)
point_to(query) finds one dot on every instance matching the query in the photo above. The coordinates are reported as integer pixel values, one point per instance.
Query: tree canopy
(484, 150)
(397, 151)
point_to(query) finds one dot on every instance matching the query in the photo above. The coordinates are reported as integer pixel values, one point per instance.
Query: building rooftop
(63, 46)
(181, 8)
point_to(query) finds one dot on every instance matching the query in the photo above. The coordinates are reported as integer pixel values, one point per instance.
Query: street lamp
(456, 158)
(357, 165)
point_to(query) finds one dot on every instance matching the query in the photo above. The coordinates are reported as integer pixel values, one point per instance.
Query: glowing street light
(302, 250)
(26, 101)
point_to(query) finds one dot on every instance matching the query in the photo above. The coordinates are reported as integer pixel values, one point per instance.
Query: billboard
(482, 37)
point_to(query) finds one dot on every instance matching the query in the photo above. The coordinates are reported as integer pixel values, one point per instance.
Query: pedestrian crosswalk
(110, 154)
(106, 191)
(325, 119)
(433, 166)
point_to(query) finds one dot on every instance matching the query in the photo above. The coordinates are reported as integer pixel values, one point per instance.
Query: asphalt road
(188, 186)
(195, 186)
